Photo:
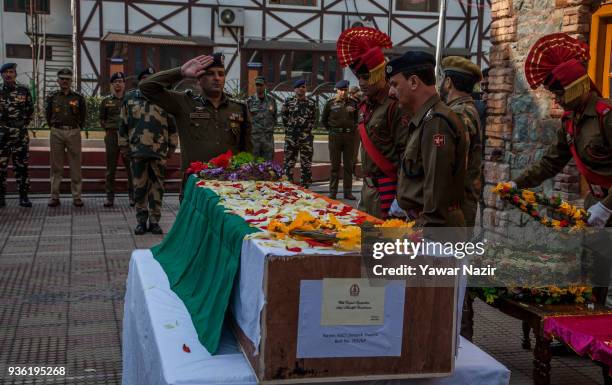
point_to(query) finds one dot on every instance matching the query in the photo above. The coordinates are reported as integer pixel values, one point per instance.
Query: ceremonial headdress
(360, 48)
(558, 61)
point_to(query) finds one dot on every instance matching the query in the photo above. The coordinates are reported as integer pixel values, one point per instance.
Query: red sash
(386, 186)
(591, 176)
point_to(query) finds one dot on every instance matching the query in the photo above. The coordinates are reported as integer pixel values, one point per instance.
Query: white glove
(396, 210)
(599, 215)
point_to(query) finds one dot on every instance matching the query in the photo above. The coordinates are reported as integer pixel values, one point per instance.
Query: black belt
(341, 130)
(65, 127)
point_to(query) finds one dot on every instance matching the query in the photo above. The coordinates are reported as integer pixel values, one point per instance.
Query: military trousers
(341, 148)
(67, 142)
(148, 175)
(111, 142)
(370, 201)
(263, 145)
(14, 146)
(301, 145)
(356, 152)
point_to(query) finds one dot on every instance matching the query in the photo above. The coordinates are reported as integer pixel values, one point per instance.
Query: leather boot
(141, 228)
(2, 201)
(155, 229)
(24, 201)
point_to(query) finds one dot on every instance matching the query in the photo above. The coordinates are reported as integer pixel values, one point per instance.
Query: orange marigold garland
(530, 202)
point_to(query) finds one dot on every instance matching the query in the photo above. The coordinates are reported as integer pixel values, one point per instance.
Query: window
(40, 6)
(310, 3)
(24, 51)
(417, 5)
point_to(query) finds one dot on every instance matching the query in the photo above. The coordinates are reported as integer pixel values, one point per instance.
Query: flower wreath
(529, 202)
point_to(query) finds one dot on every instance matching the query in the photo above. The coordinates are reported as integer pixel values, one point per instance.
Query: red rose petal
(186, 348)
(294, 249)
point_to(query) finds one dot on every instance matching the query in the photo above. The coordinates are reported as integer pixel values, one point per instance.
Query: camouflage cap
(461, 65)
(64, 73)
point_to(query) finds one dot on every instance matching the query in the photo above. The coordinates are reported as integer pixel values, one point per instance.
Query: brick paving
(62, 283)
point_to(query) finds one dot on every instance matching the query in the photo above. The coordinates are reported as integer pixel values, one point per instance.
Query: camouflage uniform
(110, 120)
(16, 110)
(263, 117)
(465, 108)
(150, 136)
(299, 120)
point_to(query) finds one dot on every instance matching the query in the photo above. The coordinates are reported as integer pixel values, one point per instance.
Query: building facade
(280, 39)
(521, 122)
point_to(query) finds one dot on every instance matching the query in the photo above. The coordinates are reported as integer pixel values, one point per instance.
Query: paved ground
(62, 282)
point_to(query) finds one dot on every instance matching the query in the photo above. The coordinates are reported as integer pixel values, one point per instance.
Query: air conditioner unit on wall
(231, 17)
(359, 21)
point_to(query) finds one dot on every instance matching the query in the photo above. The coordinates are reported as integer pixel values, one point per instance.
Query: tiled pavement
(62, 282)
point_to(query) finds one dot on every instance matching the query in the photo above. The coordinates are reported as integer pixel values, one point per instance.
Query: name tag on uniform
(199, 115)
(236, 116)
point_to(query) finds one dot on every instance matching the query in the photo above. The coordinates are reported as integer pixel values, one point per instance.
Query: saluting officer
(263, 117)
(208, 124)
(65, 114)
(340, 118)
(299, 114)
(460, 76)
(16, 110)
(110, 120)
(433, 165)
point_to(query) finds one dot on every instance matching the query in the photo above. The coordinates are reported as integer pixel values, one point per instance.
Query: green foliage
(92, 122)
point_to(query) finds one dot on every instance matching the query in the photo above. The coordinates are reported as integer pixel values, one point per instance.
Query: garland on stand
(530, 202)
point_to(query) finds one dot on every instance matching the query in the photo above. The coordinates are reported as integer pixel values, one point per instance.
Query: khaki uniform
(593, 143)
(340, 118)
(432, 176)
(110, 120)
(204, 131)
(65, 116)
(383, 123)
(466, 109)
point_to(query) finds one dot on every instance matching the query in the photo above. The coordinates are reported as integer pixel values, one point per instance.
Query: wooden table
(533, 316)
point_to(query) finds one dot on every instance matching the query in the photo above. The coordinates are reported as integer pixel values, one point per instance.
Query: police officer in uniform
(110, 120)
(299, 115)
(208, 124)
(263, 116)
(340, 118)
(16, 110)
(148, 136)
(380, 121)
(432, 177)
(65, 113)
(586, 127)
(460, 77)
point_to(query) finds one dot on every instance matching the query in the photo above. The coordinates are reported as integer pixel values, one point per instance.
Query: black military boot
(141, 228)
(155, 229)
(24, 201)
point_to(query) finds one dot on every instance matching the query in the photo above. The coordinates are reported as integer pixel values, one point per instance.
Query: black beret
(8, 66)
(342, 84)
(117, 75)
(298, 83)
(410, 61)
(146, 72)
(218, 60)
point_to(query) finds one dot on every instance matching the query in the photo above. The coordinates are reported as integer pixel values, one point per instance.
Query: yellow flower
(501, 188)
(529, 196)
(555, 224)
(303, 221)
(349, 237)
(566, 208)
(277, 228)
(334, 221)
(397, 223)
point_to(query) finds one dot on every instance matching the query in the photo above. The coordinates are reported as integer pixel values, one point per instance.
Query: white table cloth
(156, 324)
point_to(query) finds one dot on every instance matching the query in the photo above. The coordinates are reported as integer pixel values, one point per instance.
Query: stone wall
(522, 122)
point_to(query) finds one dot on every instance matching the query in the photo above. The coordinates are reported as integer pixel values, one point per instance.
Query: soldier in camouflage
(148, 136)
(460, 77)
(299, 114)
(263, 116)
(110, 120)
(16, 110)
